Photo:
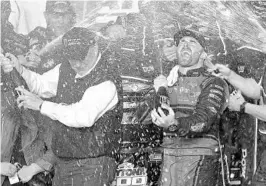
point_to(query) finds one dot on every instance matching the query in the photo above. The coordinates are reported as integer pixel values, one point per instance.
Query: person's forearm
(43, 85)
(95, 102)
(258, 111)
(247, 86)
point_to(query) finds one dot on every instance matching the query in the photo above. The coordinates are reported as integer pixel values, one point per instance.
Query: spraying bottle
(160, 98)
(162, 94)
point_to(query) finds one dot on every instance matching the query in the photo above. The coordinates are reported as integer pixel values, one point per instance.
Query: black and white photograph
(133, 93)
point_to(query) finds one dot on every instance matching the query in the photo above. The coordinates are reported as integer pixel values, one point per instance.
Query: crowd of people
(74, 93)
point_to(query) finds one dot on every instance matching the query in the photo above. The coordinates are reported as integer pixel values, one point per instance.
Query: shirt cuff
(47, 108)
(25, 73)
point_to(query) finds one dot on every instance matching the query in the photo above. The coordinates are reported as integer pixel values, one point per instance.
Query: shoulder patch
(207, 81)
(216, 91)
(211, 95)
(213, 110)
(198, 127)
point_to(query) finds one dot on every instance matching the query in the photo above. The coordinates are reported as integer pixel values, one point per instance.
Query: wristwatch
(242, 107)
(174, 126)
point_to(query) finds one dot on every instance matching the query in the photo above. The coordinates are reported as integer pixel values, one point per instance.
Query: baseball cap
(182, 33)
(61, 7)
(77, 42)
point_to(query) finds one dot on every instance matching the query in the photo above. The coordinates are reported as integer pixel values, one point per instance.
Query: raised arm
(248, 86)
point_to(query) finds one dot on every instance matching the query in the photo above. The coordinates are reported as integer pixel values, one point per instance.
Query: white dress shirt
(95, 102)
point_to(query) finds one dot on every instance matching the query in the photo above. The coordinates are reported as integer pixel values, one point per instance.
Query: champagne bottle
(160, 98)
(161, 94)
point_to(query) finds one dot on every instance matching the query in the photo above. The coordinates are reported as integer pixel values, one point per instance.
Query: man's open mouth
(186, 53)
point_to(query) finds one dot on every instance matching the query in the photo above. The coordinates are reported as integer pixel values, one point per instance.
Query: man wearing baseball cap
(197, 99)
(60, 17)
(86, 111)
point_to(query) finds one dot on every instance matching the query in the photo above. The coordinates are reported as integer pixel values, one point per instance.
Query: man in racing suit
(191, 128)
(60, 17)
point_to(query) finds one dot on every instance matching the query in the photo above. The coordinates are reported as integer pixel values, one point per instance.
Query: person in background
(11, 42)
(191, 126)
(86, 111)
(251, 89)
(17, 44)
(60, 17)
(246, 86)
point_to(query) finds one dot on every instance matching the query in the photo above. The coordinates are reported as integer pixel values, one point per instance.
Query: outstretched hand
(235, 100)
(221, 71)
(28, 100)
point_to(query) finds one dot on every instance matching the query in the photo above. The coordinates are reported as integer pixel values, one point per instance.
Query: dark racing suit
(191, 151)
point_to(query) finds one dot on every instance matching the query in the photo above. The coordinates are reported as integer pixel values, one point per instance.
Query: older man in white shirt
(85, 113)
